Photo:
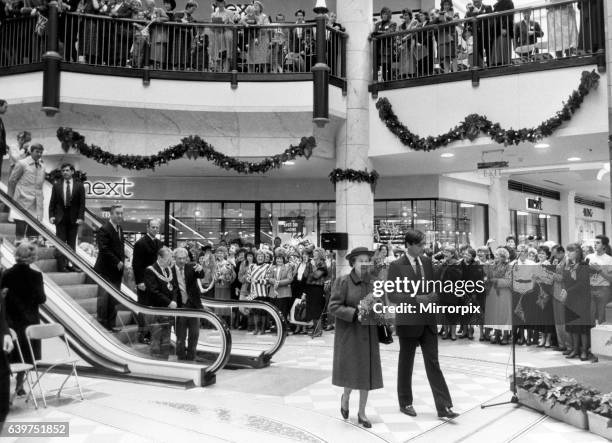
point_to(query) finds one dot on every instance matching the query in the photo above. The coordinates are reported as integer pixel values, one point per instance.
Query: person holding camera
(481, 41)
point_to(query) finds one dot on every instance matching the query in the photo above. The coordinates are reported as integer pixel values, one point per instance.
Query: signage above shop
(492, 165)
(291, 225)
(587, 212)
(534, 203)
(109, 189)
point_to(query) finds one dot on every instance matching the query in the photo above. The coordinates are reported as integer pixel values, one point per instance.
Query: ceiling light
(574, 159)
(289, 162)
(447, 155)
(522, 213)
(541, 145)
(466, 205)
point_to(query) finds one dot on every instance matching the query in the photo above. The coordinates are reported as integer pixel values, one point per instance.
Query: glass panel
(238, 222)
(586, 230)
(289, 221)
(195, 221)
(327, 216)
(553, 228)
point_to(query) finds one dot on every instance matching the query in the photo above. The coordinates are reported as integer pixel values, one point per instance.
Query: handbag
(385, 336)
(300, 312)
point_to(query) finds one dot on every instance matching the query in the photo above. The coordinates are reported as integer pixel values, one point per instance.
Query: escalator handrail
(250, 304)
(63, 249)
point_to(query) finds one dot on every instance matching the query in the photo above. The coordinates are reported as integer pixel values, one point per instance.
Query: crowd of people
(537, 293)
(451, 43)
(146, 38)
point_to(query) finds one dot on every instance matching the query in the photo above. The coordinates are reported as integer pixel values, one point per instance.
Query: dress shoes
(364, 422)
(408, 410)
(447, 413)
(344, 412)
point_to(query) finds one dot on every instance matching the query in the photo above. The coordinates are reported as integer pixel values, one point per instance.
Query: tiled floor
(293, 400)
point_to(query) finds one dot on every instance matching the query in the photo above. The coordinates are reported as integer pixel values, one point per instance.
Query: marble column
(355, 201)
(499, 212)
(568, 217)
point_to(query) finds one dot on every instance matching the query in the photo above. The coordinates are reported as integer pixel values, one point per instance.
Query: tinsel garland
(352, 175)
(192, 147)
(56, 174)
(474, 124)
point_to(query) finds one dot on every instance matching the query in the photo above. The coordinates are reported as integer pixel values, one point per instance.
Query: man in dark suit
(481, 35)
(187, 275)
(145, 254)
(162, 291)
(417, 329)
(67, 211)
(110, 263)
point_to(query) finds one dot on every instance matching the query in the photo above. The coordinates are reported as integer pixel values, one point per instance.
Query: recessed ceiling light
(447, 155)
(574, 159)
(541, 145)
(289, 162)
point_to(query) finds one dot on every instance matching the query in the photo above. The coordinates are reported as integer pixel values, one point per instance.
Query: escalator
(247, 350)
(72, 301)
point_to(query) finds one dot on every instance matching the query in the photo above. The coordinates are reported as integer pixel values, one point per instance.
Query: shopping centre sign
(109, 189)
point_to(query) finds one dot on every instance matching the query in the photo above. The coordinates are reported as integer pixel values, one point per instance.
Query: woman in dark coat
(502, 29)
(577, 286)
(356, 346)
(24, 294)
(316, 274)
(451, 271)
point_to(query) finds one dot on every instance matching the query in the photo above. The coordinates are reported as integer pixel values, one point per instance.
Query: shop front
(590, 221)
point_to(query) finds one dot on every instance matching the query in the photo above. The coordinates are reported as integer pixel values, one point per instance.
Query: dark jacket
(484, 9)
(158, 294)
(521, 32)
(191, 283)
(76, 208)
(110, 253)
(25, 294)
(145, 254)
(3, 145)
(505, 22)
(412, 325)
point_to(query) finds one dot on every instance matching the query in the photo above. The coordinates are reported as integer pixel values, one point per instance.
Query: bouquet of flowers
(367, 314)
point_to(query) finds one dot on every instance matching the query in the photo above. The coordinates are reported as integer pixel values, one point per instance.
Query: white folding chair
(24, 367)
(44, 332)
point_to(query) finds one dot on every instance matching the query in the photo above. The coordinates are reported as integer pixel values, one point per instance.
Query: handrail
(274, 312)
(224, 353)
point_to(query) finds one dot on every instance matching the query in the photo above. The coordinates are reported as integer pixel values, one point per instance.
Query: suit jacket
(3, 145)
(157, 293)
(25, 294)
(191, 284)
(484, 9)
(110, 253)
(521, 33)
(145, 254)
(74, 210)
(412, 325)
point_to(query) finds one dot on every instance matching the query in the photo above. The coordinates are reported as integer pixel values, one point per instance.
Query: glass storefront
(542, 227)
(587, 230)
(260, 222)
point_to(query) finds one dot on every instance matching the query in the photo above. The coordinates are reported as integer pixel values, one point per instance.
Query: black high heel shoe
(344, 412)
(364, 422)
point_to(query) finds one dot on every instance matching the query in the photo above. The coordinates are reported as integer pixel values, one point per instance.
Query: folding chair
(24, 367)
(44, 332)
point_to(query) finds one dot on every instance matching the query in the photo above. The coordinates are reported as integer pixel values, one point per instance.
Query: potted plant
(600, 418)
(568, 401)
(532, 386)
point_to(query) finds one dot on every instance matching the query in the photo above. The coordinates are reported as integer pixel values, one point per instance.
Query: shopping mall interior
(234, 123)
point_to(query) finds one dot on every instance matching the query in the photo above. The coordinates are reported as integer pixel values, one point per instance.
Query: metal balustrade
(443, 44)
(97, 40)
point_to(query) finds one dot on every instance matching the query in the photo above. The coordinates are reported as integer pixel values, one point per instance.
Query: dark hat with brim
(360, 250)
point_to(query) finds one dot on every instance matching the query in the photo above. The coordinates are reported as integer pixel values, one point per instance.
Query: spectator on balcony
(385, 46)
(3, 146)
(143, 16)
(184, 36)
(526, 34)
(502, 28)
(407, 45)
(222, 41)
(278, 45)
(88, 35)
(426, 54)
(257, 39)
(160, 34)
(333, 44)
(295, 58)
(446, 37)
(562, 29)
(482, 39)
(121, 31)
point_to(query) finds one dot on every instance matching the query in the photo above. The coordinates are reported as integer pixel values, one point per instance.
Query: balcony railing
(566, 30)
(262, 52)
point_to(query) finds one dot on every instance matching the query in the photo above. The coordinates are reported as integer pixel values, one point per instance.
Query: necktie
(119, 231)
(37, 164)
(68, 194)
(417, 268)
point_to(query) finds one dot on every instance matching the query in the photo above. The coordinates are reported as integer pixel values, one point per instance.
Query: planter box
(570, 416)
(598, 424)
(531, 400)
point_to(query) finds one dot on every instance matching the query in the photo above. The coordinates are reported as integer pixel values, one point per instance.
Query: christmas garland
(474, 124)
(193, 147)
(352, 175)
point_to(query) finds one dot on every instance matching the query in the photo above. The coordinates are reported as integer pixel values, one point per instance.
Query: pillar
(355, 201)
(499, 212)
(568, 217)
(51, 72)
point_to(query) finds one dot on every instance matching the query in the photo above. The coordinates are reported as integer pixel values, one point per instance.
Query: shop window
(291, 221)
